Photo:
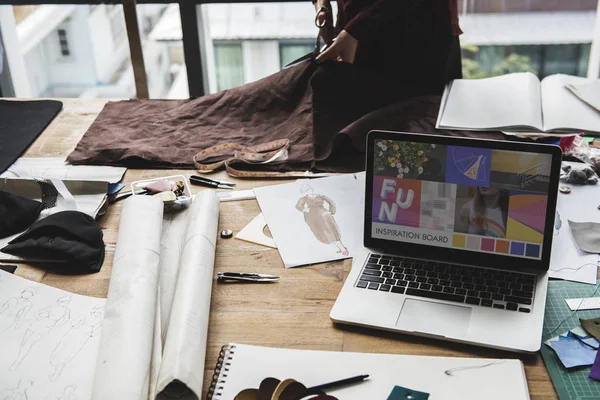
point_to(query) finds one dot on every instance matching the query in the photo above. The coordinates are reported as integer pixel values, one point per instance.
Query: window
(289, 52)
(538, 36)
(63, 42)
(229, 65)
(542, 60)
(117, 25)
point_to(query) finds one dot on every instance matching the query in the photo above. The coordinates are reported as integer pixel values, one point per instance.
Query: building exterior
(82, 51)
(246, 42)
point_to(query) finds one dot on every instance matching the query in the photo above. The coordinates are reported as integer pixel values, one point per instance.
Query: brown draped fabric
(308, 104)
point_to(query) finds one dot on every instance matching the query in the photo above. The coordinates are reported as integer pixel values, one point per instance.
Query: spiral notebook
(242, 367)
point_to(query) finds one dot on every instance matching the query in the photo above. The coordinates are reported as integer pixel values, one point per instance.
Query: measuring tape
(235, 154)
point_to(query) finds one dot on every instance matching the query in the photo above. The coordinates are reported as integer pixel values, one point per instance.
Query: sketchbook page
(185, 347)
(48, 340)
(570, 263)
(562, 109)
(316, 220)
(504, 379)
(58, 168)
(567, 261)
(123, 367)
(506, 101)
(588, 92)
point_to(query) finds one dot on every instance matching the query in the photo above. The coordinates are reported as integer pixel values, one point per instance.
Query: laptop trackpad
(435, 318)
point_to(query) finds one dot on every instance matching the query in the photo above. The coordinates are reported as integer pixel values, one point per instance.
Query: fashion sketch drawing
(15, 309)
(319, 211)
(68, 393)
(46, 320)
(17, 393)
(74, 340)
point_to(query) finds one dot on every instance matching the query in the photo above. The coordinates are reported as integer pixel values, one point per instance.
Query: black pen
(342, 382)
(202, 181)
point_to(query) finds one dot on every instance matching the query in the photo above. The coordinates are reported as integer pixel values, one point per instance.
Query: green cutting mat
(574, 384)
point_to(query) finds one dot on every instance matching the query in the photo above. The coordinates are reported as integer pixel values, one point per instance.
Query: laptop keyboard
(484, 287)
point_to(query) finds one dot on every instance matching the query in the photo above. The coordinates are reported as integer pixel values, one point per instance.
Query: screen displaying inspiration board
(476, 199)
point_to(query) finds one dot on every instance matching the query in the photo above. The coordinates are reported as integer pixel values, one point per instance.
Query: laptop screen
(477, 199)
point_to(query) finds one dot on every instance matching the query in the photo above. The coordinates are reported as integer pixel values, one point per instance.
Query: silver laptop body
(457, 236)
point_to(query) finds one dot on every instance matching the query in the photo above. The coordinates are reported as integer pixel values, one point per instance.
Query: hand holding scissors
(323, 21)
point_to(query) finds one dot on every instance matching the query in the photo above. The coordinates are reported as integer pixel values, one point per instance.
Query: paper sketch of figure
(318, 214)
(67, 394)
(18, 393)
(82, 329)
(14, 310)
(46, 320)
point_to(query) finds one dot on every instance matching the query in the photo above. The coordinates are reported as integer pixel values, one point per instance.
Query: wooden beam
(135, 49)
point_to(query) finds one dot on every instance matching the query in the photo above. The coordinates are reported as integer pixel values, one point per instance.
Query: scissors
(319, 48)
(245, 277)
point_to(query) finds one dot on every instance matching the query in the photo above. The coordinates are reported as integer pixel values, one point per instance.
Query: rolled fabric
(125, 355)
(185, 343)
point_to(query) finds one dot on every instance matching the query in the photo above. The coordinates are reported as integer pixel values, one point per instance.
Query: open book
(450, 378)
(516, 102)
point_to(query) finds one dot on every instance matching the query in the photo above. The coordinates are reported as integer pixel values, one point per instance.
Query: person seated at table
(385, 52)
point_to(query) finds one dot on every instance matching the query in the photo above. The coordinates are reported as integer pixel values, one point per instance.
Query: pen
(201, 181)
(342, 382)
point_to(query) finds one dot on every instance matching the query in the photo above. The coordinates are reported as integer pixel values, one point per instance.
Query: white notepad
(517, 102)
(244, 367)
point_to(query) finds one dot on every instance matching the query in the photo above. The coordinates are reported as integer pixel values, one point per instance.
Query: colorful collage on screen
(476, 199)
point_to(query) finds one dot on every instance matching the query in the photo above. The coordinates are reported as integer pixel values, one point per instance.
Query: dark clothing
(405, 40)
(406, 49)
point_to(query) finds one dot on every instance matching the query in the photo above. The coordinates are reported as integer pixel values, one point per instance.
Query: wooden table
(293, 313)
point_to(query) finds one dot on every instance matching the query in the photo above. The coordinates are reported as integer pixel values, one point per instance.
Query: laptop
(457, 236)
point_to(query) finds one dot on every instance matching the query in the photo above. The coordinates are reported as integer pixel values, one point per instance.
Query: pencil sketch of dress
(46, 320)
(14, 310)
(82, 329)
(318, 214)
(67, 394)
(18, 393)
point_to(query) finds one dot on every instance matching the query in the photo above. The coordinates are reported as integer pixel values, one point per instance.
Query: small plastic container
(181, 203)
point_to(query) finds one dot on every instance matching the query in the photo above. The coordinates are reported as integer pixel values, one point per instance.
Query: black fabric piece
(17, 213)
(21, 122)
(8, 268)
(69, 236)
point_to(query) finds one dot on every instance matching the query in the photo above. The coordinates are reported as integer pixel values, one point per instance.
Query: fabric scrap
(402, 393)
(595, 372)
(572, 353)
(586, 235)
(21, 122)
(591, 326)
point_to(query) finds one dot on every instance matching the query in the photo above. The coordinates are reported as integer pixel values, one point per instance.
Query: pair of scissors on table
(245, 277)
(319, 48)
